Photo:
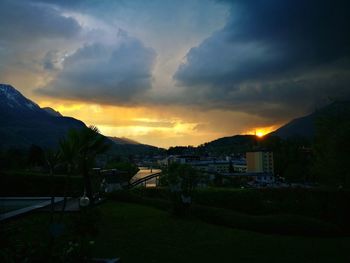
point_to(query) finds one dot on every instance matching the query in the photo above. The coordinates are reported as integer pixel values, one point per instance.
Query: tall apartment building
(260, 162)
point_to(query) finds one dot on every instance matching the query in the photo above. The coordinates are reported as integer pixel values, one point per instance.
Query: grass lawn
(137, 233)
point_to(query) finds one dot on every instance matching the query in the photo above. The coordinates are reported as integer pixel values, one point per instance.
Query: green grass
(138, 233)
(322, 204)
(287, 224)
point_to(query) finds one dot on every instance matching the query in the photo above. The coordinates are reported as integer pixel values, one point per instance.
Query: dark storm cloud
(106, 74)
(51, 60)
(25, 20)
(274, 55)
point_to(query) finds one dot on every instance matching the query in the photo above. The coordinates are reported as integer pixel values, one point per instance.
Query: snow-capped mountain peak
(12, 98)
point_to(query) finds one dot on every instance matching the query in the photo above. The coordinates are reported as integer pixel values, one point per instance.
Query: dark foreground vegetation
(138, 233)
(22, 183)
(292, 212)
(180, 222)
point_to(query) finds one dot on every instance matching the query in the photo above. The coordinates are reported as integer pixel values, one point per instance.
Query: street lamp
(84, 200)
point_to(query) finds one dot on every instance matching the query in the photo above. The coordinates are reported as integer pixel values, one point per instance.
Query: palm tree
(52, 159)
(79, 150)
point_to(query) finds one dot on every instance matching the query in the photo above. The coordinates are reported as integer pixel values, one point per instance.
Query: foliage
(223, 146)
(123, 165)
(332, 146)
(229, 145)
(79, 150)
(292, 157)
(182, 180)
(30, 239)
(137, 233)
(181, 150)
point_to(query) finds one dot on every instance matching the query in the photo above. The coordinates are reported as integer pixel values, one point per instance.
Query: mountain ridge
(23, 123)
(306, 126)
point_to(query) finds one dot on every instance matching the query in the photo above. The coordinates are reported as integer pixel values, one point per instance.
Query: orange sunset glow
(262, 131)
(199, 76)
(174, 131)
(158, 125)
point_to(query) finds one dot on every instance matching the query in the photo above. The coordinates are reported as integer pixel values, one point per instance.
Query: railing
(144, 179)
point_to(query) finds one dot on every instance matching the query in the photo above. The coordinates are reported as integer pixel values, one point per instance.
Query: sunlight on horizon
(262, 131)
(153, 126)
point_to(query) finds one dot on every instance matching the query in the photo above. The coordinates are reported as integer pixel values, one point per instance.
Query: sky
(179, 72)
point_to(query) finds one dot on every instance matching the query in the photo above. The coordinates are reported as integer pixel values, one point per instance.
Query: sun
(259, 134)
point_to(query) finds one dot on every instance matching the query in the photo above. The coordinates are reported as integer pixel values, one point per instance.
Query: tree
(332, 146)
(79, 150)
(182, 180)
(125, 165)
(292, 156)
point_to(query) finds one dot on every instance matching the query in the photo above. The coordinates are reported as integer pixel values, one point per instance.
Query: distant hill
(305, 126)
(125, 146)
(232, 144)
(23, 122)
(222, 146)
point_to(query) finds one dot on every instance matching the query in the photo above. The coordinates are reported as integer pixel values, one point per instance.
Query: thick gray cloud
(27, 31)
(272, 57)
(106, 74)
(24, 20)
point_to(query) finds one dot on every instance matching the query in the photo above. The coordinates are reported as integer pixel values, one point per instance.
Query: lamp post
(84, 200)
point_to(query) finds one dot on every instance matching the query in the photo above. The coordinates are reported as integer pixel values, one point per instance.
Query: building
(260, 162)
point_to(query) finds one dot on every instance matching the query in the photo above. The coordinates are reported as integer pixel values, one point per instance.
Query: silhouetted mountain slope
(122, 140)
(306, 126)
(52, 112)
(228, 145)
(23, 122)
(303, 127)
(125, 146)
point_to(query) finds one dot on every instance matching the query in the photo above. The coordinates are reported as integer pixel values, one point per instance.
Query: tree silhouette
(79, 150)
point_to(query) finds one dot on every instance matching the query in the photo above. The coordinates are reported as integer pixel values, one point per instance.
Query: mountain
(306, 126)
(228, 145)
(23, 122)
(123, 140)
(303, 127)
(223, 146)
(52, 112)
(12, 102)
(125, 146)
